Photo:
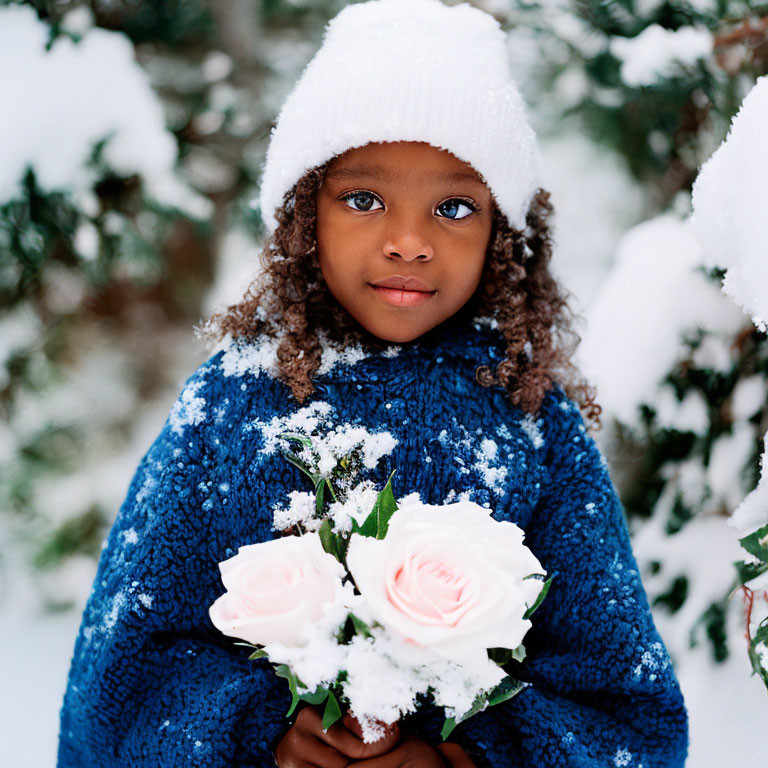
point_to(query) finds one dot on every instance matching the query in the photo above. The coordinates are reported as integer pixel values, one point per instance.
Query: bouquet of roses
(376, 604)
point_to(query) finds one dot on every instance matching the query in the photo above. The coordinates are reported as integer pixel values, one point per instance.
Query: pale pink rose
(448, 578)
(278, 591)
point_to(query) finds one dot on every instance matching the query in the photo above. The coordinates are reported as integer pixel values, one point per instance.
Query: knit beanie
(408, 70)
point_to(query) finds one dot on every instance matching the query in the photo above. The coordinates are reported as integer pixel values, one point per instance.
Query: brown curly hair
(289, 300)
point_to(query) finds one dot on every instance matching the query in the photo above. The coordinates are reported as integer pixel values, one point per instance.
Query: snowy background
(145, 134)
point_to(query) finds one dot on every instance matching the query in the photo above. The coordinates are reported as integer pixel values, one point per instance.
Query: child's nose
(407, 240)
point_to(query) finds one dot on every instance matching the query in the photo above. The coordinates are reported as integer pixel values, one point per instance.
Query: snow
(330, 441)
(658, 53)
(730, 198)
(691, 414)
(749, 396)
(623, 757)
(20, 328)
(730, 454)
(300, 509)
(239, 359)
(637, 319)
(595, 202)
(725, 701)
(98, 77)
(531, 428)
(385, 676)
(189, 409)
(752, 512)
(357, 505)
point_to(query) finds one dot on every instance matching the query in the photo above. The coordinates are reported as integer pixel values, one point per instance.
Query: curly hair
(289, 301)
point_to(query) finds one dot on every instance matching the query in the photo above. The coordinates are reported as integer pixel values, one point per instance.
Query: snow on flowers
(376, 604)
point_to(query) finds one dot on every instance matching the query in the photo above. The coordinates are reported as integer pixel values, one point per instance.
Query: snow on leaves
(326, 449)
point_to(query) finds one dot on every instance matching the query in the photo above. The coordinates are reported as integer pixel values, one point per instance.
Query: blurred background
(131, 142)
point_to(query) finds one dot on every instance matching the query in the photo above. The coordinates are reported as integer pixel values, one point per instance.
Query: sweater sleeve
(152, 683)
(602, 689)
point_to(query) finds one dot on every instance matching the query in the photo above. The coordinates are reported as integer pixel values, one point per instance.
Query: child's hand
(455, 756)
(410, 753)
(415, 753)
(305, 744)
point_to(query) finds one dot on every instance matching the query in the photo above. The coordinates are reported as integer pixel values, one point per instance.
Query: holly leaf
(376, 524)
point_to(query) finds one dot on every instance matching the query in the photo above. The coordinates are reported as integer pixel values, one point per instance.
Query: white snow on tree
(730, 199)
(74, 96)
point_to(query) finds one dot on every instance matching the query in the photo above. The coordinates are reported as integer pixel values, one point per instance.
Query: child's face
(402, 210)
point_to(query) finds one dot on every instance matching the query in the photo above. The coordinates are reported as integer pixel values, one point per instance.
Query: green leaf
(749, 571)
(505, 690)
(297, 462)
(259, 654)
(332, 711)
(283, 670)
(330, 488)
(757, 543)
(327, 539)
(760, 637)
(360, 626)
(541, 595)
(500, 656)
(377, 522)
(296, 437)
(448, 726)
(320, 496)
(332, 543)
(316, 697)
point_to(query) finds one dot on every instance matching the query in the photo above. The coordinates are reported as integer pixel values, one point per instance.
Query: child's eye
(450, 208)
(361, 201)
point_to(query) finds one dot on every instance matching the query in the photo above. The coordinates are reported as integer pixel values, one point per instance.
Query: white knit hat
(408, 70)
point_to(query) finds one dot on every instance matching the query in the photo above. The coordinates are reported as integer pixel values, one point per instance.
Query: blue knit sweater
(153, 683)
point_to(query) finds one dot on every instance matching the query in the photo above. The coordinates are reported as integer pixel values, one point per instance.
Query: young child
(406, 284)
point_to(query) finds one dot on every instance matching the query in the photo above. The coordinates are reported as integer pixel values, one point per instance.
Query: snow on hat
(408, 70)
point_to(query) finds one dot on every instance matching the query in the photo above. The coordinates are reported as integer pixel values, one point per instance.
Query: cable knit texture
(152, 683)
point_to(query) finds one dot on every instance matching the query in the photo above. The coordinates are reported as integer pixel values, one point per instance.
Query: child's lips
(400, 297)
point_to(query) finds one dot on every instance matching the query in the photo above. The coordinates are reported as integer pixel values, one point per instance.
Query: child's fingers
(455, 756)
(323, 756)
(306, 751)
(338, 737)
(303, 747)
